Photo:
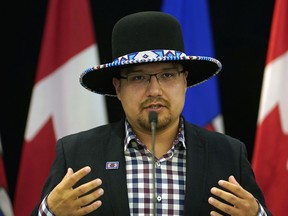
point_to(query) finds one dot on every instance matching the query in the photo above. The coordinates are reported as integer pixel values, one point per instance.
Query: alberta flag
(202, 105)
(59, 104)
(270, 158)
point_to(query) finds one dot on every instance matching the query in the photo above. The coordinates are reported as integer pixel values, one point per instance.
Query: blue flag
(202, 105)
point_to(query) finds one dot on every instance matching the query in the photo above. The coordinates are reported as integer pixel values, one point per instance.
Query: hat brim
(98, 79)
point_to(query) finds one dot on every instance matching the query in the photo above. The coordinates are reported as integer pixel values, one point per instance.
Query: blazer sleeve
(57, 172)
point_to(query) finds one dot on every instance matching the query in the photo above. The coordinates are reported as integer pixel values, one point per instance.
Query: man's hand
(66, 200)
(242, 202)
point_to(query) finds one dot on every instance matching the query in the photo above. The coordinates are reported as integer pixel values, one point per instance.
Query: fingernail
(213, 190)
(221, 182)
(98, 181)
(211, 200)
(98, 203)
(100, 191)
(87, 169)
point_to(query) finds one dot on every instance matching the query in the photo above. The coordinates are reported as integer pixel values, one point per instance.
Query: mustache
(149, 101)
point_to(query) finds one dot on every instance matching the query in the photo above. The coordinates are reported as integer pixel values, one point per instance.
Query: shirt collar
(131, 136)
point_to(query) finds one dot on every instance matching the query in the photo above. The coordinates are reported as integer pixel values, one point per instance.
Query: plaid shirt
(170, 178)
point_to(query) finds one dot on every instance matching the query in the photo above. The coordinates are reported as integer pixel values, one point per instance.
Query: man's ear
(186, 75)
(117, 84)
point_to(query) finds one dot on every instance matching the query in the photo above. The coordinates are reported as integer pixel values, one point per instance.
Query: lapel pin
(112, 165)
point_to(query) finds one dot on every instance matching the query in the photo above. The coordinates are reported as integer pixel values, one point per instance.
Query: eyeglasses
(167, 76)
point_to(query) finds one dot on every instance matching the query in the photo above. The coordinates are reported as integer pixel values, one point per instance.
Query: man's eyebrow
(131, 70)
(125, 71)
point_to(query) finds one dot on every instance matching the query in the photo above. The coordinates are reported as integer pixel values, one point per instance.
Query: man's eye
(137, 78)
(167, 75)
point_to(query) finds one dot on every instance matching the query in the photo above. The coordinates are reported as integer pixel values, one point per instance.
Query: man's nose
(153, 75)
(154, 88)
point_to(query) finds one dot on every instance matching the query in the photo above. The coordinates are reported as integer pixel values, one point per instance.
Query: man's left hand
(242, 202)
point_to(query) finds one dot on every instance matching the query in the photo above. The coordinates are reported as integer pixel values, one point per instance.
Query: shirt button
(159, 198)
(158, 164)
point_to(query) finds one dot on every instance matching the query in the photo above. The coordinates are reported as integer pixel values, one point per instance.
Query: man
(110, 170)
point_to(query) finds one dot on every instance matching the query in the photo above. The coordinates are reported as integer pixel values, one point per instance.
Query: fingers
(233, 180)
(87, 203)
(233, 186)
(72, 178)
(230, 198)
(69, 173)
(90, 208)
(240, 201)
(231, 210)
(89, 198)
(213, 213)
(66, 200)
(85, 188)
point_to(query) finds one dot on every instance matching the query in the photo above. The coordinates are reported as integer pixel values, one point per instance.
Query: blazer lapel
(116, 175)
(196, 170)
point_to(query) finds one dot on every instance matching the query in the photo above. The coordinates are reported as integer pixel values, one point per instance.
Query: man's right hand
(66, 200)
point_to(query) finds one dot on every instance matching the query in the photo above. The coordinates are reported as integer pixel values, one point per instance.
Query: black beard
(162, 124)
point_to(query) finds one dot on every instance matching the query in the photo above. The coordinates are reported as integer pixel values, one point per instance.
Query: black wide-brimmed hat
(147, 37)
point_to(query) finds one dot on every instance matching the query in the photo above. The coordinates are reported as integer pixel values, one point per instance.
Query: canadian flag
(59, 104)
(5, 202)
(270, 159)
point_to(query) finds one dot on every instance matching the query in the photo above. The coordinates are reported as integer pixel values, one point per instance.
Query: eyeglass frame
(150, 75)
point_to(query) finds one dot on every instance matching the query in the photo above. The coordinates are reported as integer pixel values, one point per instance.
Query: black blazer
(211, 156)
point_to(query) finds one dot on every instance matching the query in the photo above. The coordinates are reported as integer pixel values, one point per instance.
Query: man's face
(164, 93)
